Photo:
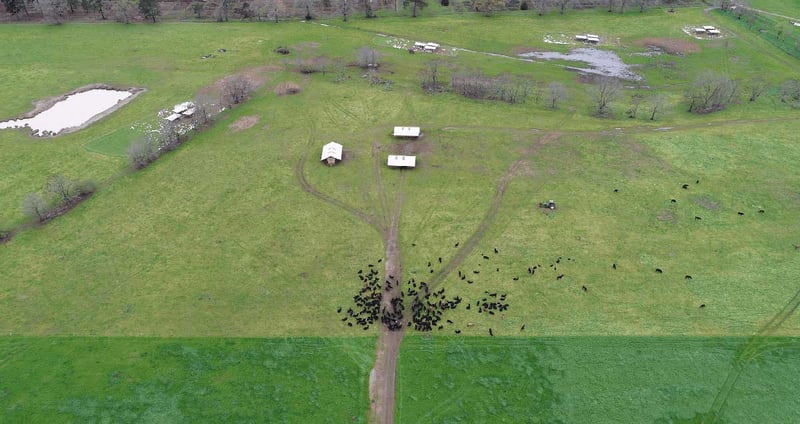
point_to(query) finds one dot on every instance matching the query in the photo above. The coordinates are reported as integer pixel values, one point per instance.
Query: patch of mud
(243, 123)
(411, 148)
(669, 45)
(601, 62)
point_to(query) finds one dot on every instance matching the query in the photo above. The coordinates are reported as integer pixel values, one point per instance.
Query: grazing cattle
(687, 277)
(431, 271)
(470, 281)
(517, 278)
(449, 322)
(702, 305)
(522, 328)
(380, 260)
(685, 186)
(672, 200)
(349, 324)
(740, 213)
(339, 311)
(429, 263)
(697, 218)
(440, 259)
(659, 271)
(498, 269)
(456, 245)
(495, 251)
(491, 333)
(616, 190)
(485, 257)
(614, 265)
(584, 288)
(468, 305)
(458, 331)
(475, 271)
(761, 211)
(697, 182)
(560, 277)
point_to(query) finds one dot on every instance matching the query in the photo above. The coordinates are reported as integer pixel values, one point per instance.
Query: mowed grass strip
(592, 380)
(134, 380)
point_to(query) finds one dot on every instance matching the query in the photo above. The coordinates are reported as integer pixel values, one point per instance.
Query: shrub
(35, 206)
(85, 187)
(141, 152)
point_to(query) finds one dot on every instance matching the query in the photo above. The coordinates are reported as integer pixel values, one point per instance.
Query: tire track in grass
(491, 214)
(754, 347)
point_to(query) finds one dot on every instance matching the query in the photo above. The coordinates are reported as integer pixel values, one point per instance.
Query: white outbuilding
(400, 161)
(331, 153)
(412, 132)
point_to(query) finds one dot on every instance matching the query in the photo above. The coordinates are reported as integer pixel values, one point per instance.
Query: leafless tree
(610, 6)
(236, 89)
(636, 101)
(604, 93)
(368, 57)
(205, 107)
(711, 92)
(60, 186)
(368, 13)
(562, 5)
(542, 6)
(755, 87)
(54, 11)
(489, 7)
(657, 103)
(622, 5)
(141, 152)
(431, 81)
(642, 5)
(344, 9)
(416, 6)
(556, 93)
(339, 69)
(123, 10)
(789, 92)
(35, 206)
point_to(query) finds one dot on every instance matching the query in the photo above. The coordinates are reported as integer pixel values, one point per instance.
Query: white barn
(406, 132)
(400, 161)
(331, 153)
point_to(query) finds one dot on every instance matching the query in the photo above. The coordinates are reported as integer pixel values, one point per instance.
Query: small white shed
(331, 153)
(400, 161)
(406, 132)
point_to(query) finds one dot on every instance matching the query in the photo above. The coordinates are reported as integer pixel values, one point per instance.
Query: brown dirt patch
(667, 216)
(525, 49)
(243, 123)
(707, 203)
(255, 76)
(411, 148)
(287, 88)
(669, 45)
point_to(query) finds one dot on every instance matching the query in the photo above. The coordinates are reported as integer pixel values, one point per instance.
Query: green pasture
(146, 380)
(784, 7)
(593, 380)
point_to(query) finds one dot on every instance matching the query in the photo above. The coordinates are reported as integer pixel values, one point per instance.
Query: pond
(601, 62)
(72, 112)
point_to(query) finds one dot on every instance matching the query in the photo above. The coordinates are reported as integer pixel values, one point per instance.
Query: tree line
(127, 11)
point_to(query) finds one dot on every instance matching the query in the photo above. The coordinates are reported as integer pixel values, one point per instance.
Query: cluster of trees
(59, 195)
(125, 11)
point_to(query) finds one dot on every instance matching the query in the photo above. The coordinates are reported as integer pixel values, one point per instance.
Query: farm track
(491, 214)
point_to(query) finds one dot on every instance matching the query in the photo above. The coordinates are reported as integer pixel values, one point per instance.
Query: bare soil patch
(287, 88)
(255, 76)
(670, 45)
(707, 203)
(416, 147)
(243, 123)
(667, 215)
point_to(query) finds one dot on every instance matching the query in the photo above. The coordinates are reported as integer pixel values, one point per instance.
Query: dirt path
(384, 374)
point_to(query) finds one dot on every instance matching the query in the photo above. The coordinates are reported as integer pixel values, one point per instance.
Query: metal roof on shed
(402, 161)
(406, 131)
(332, 149)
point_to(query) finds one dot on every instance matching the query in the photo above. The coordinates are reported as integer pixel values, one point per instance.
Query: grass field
(143, 380)
(218, 239)
(783, 7)
(592, 380)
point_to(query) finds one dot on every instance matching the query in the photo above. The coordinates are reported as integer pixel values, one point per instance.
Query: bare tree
(344, 9)
(123, 10)
(604, 93)
(789, 92)
(416, 6)
(54, 11)
(368, 57)
(431, 81)
(610, 6)
(339, 69)
(556, 92)
(636, 101)
(35, 206)
(236, 89)
(60, 186)
(657, 103)
(755, 87)
(562, 5)
(368, 9)
(141, 152)
(711, 92)
(622, 5)
(205, 107)
(542, 6)
(489, 7)
(642, 5)
(222, 11)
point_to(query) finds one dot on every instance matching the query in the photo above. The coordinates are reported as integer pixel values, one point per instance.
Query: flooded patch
(601, 62)
(72, 112)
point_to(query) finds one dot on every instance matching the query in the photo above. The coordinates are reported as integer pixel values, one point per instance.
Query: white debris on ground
(418, 46)
(703, 32)
(558, 39)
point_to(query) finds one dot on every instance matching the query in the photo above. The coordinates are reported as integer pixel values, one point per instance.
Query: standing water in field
(75, 110)
(601, 62)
